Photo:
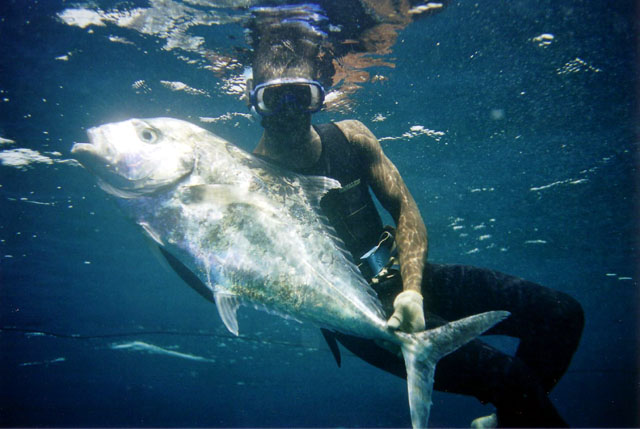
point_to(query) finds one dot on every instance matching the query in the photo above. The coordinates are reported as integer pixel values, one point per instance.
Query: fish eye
(148, 135)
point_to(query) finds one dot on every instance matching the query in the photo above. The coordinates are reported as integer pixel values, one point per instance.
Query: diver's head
(290, 62)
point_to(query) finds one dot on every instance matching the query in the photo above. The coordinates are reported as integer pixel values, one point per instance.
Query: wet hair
(289, 42)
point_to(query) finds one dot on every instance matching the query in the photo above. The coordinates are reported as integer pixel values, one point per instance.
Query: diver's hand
(408, 315)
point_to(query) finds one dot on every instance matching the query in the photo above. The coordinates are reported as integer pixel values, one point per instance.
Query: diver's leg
(548, 323)
(477, 369)
(480, 370)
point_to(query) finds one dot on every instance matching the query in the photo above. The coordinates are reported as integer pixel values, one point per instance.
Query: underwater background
(512, 122)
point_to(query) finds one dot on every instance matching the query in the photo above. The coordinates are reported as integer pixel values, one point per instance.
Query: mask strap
(247, 92)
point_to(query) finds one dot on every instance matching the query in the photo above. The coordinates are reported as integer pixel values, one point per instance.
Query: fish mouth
(91, 158)
(89, 154)
(96, 157)
(115, 173)
(85, 153)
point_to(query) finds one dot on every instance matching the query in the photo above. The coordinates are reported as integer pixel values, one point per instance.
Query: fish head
(139, 156)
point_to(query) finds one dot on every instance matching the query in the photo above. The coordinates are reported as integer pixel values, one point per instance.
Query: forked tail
(422, 351)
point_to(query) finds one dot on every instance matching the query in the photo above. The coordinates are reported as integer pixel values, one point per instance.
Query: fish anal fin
(227, 304)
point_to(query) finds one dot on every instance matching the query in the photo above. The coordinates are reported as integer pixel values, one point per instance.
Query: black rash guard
(516, 385)
(351, 209)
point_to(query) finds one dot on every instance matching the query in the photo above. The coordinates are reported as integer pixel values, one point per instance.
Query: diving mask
(287, 94)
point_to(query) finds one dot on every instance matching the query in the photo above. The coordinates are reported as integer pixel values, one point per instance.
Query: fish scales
(253, 233)
(262, 238)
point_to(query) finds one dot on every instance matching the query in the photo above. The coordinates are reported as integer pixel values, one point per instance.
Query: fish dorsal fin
(227, 304)
(316, 187)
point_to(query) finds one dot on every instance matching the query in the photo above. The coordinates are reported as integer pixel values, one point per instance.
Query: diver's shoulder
(352, 126)
(357, 132)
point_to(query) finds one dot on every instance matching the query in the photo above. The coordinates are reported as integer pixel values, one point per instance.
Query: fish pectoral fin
(220, 194)
(228, 304)
(224, 195)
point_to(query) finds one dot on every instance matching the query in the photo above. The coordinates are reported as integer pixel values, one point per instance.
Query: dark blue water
(522, 158)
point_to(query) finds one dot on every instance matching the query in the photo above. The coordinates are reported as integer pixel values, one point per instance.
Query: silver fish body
(254, 234)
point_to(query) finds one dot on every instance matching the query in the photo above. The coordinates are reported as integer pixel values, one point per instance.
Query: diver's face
(286, 103)
(287, 122)
(286, 99)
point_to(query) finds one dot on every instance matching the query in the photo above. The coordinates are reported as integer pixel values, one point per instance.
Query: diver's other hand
(408, 314)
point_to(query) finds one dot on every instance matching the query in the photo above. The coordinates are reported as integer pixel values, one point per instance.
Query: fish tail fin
(422, 350)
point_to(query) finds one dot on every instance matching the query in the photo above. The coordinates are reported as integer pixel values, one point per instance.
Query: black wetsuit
(548, 323)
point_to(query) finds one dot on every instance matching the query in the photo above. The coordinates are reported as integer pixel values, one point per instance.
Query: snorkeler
(291, 67)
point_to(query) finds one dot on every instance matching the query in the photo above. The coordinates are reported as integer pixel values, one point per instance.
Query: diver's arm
(393, 194)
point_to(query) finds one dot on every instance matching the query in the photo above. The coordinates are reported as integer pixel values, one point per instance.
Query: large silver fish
(253, 234)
